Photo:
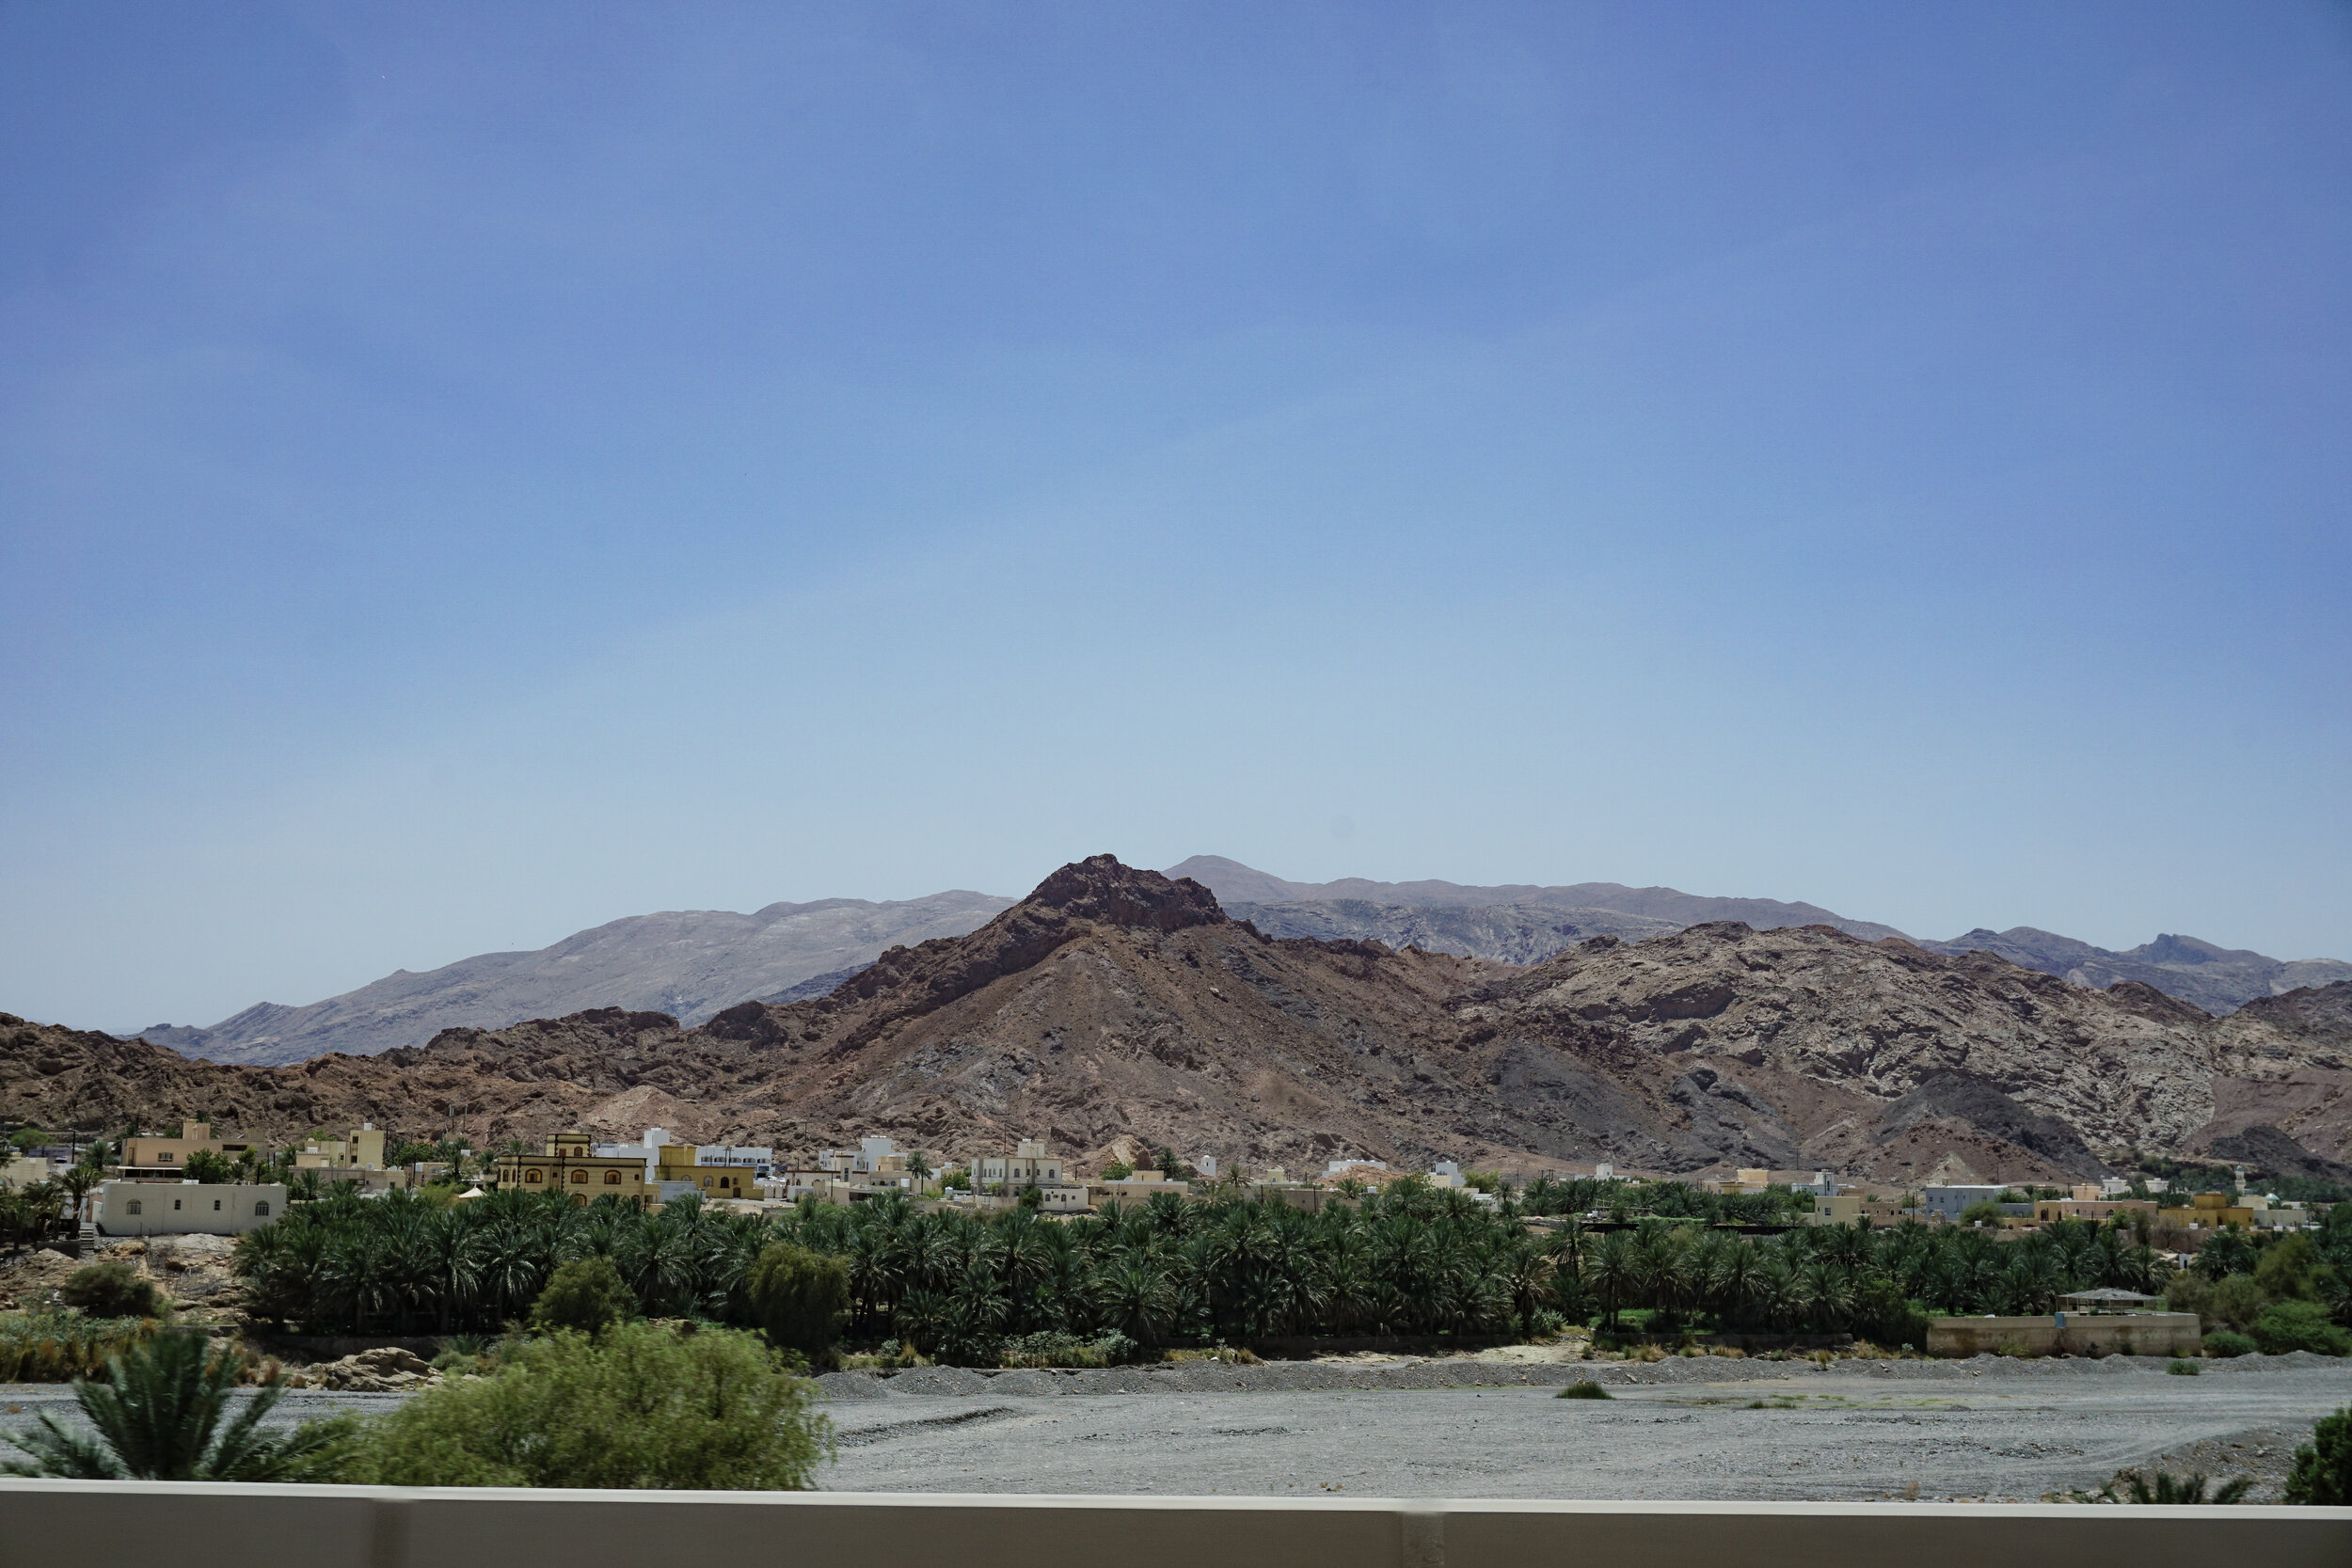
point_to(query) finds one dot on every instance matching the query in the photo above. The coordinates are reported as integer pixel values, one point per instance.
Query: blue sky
(472, 472)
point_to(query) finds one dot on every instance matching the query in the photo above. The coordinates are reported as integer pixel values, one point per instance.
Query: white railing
(189, 1525)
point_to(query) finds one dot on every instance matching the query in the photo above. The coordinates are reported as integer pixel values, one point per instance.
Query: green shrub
(1067, 1350)
(800, 1298)
(2230, 1343)
(58, 1347)
(587, 1296)
(639, 1405)
(2168, 1489)
(1584, 1390)
(112, 1291)
(2181, 1367)
(2323, 1466)
(2293, 1325)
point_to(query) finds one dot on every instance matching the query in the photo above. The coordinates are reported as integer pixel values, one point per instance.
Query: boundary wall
(197, 1525)
(2085, 1334)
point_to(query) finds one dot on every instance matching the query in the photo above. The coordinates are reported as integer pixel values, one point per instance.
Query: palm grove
(1230, 1269)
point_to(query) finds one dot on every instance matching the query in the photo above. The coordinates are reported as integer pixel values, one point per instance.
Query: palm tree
(1613, 1273)
(160, 1419)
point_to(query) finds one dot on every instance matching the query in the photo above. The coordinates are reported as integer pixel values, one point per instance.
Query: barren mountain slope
(2217, 979)
(686, 962)
(1113, 1002)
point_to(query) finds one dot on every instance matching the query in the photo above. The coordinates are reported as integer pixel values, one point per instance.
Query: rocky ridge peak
(1100, 888)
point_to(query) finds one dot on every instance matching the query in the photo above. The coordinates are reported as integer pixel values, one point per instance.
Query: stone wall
(2085, 1334)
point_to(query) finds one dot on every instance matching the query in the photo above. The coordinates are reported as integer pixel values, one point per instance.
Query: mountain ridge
(1115, 1007)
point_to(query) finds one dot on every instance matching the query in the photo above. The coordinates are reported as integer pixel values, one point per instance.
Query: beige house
(183, 1208)
(145, 1156)
(19, 1171)
(1028, 1165)
(1141, 1187)
(361, 1148)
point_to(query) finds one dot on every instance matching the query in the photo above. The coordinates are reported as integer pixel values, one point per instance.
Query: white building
(1949, 1203)
(1028, 1165)
(183, 1208)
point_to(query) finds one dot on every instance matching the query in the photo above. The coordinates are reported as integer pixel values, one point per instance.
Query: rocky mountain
(2217, 979)
(688, 963)
(1598, 908)
(1115, 1003)
(1524, 924)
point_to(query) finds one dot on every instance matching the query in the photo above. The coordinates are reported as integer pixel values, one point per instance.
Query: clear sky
(470, 472)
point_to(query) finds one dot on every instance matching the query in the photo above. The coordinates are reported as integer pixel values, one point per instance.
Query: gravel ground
(1991, 1428)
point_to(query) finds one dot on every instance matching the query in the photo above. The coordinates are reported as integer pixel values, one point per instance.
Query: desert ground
(1989, 1428)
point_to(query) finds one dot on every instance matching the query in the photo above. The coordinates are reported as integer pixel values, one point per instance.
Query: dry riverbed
(1989, 1427)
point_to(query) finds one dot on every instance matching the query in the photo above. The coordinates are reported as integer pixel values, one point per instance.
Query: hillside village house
(183, 1208)
(570, 1166)
(361, 1148)
(146, 1156)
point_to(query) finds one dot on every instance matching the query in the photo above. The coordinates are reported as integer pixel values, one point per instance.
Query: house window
(612, 1178)
(175, 1204)
(216, 1206)
(261, 1209)
(131, 1207)
(165, 1157)
(532, 1176)
(579, 1179)
(705, 1181)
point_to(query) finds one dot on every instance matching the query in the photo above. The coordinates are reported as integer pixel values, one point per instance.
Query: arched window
(132, 1207)
(705, 1181)
(534, 1176)
(261, 1209)
(579, 1179)
(612, 1178)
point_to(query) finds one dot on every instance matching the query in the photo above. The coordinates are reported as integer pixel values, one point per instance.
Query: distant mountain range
(693, 965)
(1115, 1009)
(688, 963)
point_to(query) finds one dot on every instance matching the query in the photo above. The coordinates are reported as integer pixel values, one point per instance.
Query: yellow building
(678, 1169)
(2211, 1210)
(169, 1156)
(568, 1167)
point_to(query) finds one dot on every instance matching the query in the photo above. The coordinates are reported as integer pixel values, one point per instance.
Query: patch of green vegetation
(1584, 1390)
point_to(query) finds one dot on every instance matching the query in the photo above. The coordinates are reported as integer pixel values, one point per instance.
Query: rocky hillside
(688, 963)
(2217, 979)
(1116, 1003)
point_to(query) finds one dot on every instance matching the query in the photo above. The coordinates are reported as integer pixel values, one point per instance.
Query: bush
(2233, 1302)
(2293, 1325)
(2230, 1343)
(800, 1298)
(1067, 1350)
(2181, 1367)
(1585, 1390)
(205, 1166)
(58, 1347)
(112, 1291)
(639, 1405)
(587, 1296)
(2323, 1466)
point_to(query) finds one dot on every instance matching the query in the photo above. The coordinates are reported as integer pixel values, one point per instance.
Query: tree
(800, 1298)
(206, 1165)
(161, 1417)
(641, 1405)
(26, 1139)
(112, 1291)
(918, 1166)
(2323, 1466)
(587, 1296)
(1118, 1170)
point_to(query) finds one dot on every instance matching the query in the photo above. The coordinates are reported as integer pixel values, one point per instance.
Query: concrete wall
(2105, 1334)
(197, 1526)
(183, 1208)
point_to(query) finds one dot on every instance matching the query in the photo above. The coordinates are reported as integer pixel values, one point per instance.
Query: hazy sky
(470, 472)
